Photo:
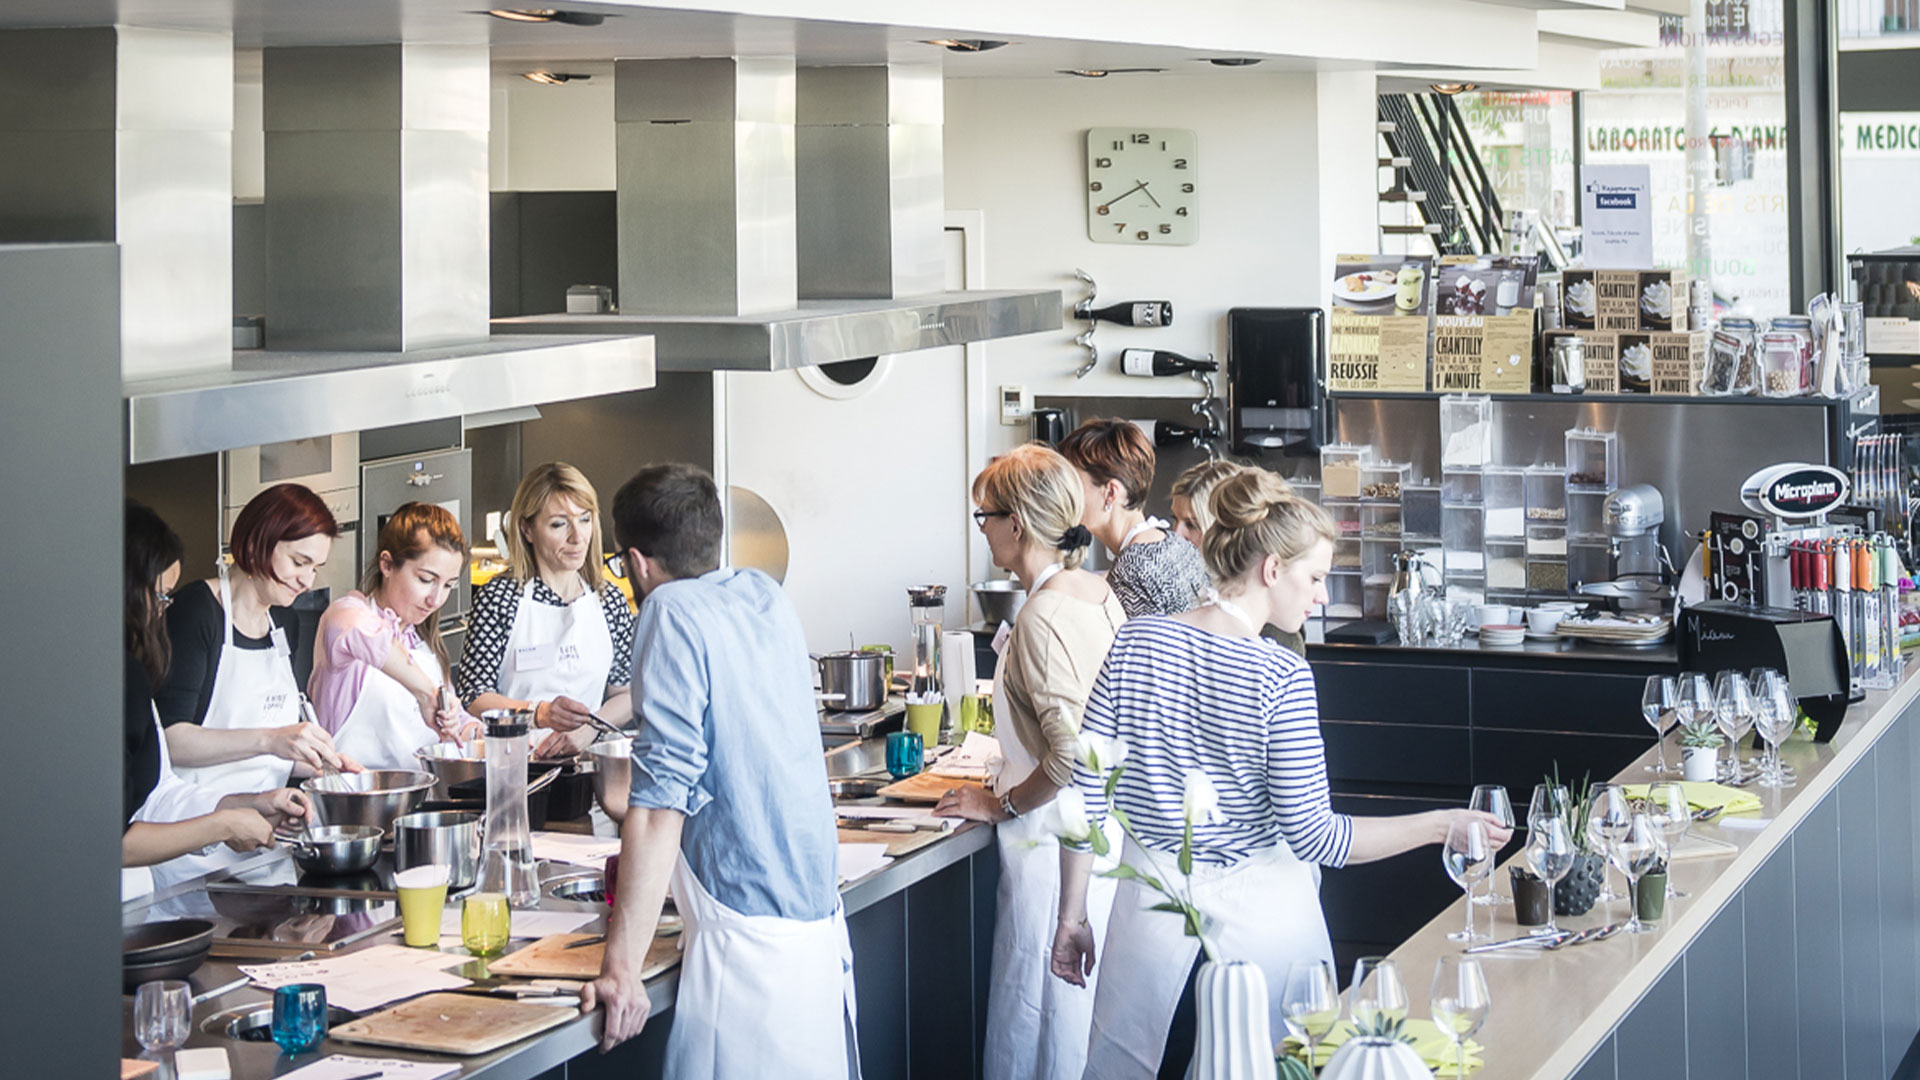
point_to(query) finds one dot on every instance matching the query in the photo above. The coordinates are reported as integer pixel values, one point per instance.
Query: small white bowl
(1544, 620)
(1493, 615)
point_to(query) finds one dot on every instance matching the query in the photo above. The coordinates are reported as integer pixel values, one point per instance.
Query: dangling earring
(1108, 507)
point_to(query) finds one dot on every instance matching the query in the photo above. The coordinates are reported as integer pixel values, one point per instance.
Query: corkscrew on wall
(1084, 310)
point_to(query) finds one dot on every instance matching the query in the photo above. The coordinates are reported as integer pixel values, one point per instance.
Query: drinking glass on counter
(1549, 801)
(299, 1016)
(1638, 850)
(1550, 853)
(161, 1012)
(485, 923)
(1607, 822)
(1667, 805)
(1775, 715)
(423, 896)
(1377, 991)
(1733, 713)
(1468, 857)
(1657, 703)
(1492, 799)
(1459, 1002)
(1310, 1002)
(1771, 676)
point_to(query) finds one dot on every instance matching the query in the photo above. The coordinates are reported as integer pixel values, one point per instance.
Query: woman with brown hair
(552, 634)
(379, 663)
(1154, 572)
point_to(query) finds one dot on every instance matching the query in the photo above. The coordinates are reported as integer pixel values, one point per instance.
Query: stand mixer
(1643, 572)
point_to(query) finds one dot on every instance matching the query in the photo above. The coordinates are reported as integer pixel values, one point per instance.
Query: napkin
(1434, 1048)
(1705, 795)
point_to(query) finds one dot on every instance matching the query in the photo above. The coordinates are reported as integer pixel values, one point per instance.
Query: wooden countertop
(1552, 1009)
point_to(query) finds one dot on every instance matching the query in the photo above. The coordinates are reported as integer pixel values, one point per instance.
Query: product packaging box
(1603, 359)
(1378, 333)
(1625, 300)
(1662, 363)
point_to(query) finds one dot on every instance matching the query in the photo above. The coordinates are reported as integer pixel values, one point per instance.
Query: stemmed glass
(1377, 991)
(1639, 847)
(1468, 857)
(1550, 853)
(1657, 707)
(1767, 677)
(1549, 801)
(1775, 718)
(1733, 712)
(1667, 805)
(1607, 821)
(1459, 1002)
(1492, 799)
(1310, 1002)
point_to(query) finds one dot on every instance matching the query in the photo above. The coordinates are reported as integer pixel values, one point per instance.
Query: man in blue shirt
(730, 801)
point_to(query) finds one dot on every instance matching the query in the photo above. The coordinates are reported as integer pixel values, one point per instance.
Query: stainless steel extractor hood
(771, 219)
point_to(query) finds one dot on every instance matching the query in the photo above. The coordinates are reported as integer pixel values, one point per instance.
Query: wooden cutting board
(549, 958)
(898, 844)
(462, 1024)
(924, 788)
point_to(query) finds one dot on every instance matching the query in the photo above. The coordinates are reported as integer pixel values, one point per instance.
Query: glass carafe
(926, 603)
(506, 861)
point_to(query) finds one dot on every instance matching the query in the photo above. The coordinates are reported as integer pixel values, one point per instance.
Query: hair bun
(1247, 498)
(1075, 538)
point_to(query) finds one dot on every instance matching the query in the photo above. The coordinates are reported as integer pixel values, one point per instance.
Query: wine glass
(1769, 677)
(1310, 1002)
(1549, 801)
(1607, 820)
(1459, 1002)
(1468, 857)
(1733, 712)
(1492, 799)
(1657, 707)
(1775, 718)
(1639, 848)
(1667, 805)
(1550, 853)
(1377, 991)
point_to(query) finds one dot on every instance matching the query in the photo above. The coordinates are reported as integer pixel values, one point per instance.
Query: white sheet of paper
(526, 924)
(343, 1066)
(575, 849)
(973, 759)
(859, 860)
(369, 978)
(879, 813)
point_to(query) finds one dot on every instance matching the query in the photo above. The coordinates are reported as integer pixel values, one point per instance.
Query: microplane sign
(1806, 491)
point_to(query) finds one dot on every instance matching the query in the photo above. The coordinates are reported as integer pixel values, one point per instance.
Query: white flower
(1068, 816)
(1199, 799)
(1100, 753)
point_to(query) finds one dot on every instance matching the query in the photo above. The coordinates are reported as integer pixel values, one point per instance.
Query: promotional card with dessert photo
(1381, 306)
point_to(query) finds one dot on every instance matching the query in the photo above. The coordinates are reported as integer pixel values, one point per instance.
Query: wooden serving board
(898, 844)
(549, 958)
(924, 788)
(462, 1024)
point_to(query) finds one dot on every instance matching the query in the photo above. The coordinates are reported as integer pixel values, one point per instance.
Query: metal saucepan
(335, 849)
(853, 681)
(612, 775)
(999, 601)
(439, 838)
(372, 798)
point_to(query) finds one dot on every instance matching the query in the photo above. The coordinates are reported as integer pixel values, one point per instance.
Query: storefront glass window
(1525, 142)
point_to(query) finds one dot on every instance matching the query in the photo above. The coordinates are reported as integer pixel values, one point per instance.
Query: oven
(443, 477)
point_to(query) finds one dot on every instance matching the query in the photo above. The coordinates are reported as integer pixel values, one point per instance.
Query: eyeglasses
(980, 516)
(617, 565)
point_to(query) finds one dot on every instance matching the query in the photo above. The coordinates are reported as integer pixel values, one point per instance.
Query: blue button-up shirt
(730, 736)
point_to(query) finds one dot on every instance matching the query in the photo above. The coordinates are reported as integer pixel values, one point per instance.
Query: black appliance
(1276, 392)
(1805, 647)
(1048, 425)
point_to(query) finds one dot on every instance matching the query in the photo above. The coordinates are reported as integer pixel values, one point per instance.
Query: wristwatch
(1006, 806)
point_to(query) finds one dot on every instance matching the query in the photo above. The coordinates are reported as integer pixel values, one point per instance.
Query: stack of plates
(1618, 629)
(1502, 634)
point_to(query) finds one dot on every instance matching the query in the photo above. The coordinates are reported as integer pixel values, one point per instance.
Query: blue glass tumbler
(299, 1016)
(905, 751)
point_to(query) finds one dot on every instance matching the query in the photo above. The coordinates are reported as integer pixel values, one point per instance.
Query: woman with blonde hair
(1193, 516)
(1206, 704)
(553, 634)
(1030, 504)
(379, 662)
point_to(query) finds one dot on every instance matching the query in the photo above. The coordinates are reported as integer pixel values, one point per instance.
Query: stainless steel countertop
(1666, 654)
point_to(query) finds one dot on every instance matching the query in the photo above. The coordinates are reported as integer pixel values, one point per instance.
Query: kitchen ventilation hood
(816, 331)
(273, 397)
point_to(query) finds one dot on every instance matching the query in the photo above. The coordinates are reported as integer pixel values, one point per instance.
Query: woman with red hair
(230, 704)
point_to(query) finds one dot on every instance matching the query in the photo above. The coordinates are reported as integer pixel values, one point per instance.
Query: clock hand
(1143, 190)
(1137, 185)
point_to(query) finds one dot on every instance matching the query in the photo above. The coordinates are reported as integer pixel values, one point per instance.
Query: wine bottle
(1135, 313)
(1150, 362)
(1163, 433)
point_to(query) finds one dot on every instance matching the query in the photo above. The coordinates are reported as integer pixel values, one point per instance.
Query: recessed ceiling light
(1101, 73)
(967, 44)
(1233, 61)
(547, 15)
(1085, 73)
(554, 78)
(1452, 88)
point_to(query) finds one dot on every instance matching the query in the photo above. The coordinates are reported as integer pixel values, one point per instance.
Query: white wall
(552, 138)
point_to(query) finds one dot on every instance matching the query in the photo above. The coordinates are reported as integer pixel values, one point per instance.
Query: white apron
(252, 688)
(1265, 910)
(385, 727)
(1036, 1024)
(760, 996)
(553, 651)
(172, 799)
(1148, 522)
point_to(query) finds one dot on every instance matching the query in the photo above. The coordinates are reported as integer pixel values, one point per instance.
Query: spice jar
(1780, 364)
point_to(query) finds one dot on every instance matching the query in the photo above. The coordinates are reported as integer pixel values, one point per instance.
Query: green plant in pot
(1577, 892)
(1700, 744)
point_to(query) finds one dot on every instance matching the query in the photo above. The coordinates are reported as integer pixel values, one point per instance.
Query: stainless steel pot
(447, 839)
(612, 775)
(335, 849)
(453, 764)
(853, 681)
(999, 600)
(373, 798)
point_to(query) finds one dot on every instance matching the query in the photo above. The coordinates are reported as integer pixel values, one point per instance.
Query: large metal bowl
(374, 797)
(612, 775)
(999, 601)
(453, 764)
(336, 849)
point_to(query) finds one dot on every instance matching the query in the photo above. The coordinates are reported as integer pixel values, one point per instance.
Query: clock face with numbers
(1142, 186)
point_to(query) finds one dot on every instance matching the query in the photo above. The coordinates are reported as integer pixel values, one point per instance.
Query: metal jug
(1409, 575)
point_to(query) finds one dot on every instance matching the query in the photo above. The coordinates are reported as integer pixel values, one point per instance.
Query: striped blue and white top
(1243, 711)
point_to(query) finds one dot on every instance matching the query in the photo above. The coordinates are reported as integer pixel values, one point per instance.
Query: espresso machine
(1642, 574)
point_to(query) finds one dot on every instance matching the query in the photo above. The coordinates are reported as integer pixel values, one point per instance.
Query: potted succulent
(1700, 744)
(1377, 1051)
(1576, 893)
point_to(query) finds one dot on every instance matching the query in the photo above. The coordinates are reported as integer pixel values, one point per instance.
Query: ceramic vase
(1233, 1037)
(1699, 763)
(1373, 1058)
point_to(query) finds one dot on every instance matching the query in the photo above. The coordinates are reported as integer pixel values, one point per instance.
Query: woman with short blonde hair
(1192, 516)
(552, 633)
(1030, 503)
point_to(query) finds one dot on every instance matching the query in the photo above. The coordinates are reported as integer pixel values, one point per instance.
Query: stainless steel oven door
(443, 477)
